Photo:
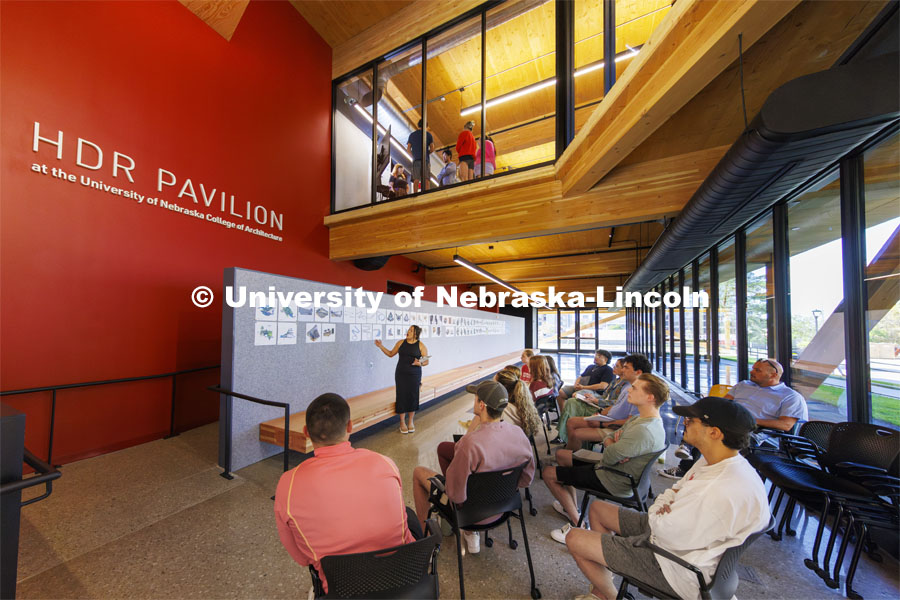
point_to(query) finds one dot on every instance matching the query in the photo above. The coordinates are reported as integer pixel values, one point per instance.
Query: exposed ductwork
(802, 131)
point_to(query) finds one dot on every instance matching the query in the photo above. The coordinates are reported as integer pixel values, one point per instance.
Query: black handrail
(66, 386)
(227, 419)
(47, 475)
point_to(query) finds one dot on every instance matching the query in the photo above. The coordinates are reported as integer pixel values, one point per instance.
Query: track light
(473, 267)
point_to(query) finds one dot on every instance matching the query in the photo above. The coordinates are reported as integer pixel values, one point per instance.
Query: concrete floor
(158, 521)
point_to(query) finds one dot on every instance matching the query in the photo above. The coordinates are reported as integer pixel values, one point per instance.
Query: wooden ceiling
(649, 147)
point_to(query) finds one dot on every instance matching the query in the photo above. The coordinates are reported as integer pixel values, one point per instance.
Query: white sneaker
(560, 534)
(473, 541)
(682, 452)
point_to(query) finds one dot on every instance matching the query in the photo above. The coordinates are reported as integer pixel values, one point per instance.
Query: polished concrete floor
(158, 521)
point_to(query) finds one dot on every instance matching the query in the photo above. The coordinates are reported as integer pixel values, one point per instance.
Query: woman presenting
(408, 376)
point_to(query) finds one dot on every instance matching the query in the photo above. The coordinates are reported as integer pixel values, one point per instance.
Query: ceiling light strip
(473, 267)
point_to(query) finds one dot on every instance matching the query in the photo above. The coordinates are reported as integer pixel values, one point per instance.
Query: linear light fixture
(631, 52)
(473, 267)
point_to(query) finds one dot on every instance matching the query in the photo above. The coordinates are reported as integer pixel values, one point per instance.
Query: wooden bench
(373, 407)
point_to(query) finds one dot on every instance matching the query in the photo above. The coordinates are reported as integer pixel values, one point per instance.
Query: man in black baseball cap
(715, 506)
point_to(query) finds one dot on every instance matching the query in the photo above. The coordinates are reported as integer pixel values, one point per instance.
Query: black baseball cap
(491, 393)
(719, 412)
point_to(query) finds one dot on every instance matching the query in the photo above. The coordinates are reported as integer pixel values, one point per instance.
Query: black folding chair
(488, 494)
(640, 489)
(545, 405)
(723, 584)
(404, 571)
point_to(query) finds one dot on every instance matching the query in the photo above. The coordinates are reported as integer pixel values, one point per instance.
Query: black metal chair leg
(772, 493)
(535, 592)
(531, 509)
(842, 550)
(826, 560)
(546, 437)
(584, 505)
(776, 535)
(487, 539)
(462, 586)
(512, 543)
(813, 563)
(854, 562)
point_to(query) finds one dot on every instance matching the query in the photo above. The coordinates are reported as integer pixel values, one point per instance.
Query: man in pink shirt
(342, 500)
(491, 446)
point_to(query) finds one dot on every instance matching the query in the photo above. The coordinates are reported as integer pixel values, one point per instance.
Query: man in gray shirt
(629, 450)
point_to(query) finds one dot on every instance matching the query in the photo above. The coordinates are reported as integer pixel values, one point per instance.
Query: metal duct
(802, 130)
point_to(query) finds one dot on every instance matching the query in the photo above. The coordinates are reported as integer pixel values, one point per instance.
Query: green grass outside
(884, 408)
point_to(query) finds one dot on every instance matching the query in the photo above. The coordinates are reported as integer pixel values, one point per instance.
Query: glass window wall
(882, 275)
(727, 309)
(817, 325)
(760, 290)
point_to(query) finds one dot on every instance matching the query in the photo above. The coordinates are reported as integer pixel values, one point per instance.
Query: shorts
(469, 160)
(417, 169)
(624, 558)
(584, 477)
(570, 389)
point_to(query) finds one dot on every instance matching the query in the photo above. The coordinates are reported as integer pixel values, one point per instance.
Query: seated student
(492, 445)
(342, 500)
(595, 378)
(581, 431)
(626, 450)
(582, 409)
(526, 372)
(542, 383)
(447, 176)
(557, 378)
(520, 411)
(399, 182)
(773, 404)
(716, 506)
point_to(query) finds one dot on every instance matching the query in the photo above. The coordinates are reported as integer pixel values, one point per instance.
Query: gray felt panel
(299, 372)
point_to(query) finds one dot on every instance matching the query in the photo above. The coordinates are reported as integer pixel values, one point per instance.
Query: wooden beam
(562, 267)
(382, 37)
(222, 15)
(518, 205)
(696, 41)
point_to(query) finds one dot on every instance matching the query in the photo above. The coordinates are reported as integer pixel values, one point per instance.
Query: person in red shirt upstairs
(466, 148)
(342, 500)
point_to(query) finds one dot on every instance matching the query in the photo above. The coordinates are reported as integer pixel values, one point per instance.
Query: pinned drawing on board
(287, 334)
(287, 313)
(313, 334)
(366, 332)
(321, 314)
(376, 332)
(351, 316)
(266, 313)
(304, 313)
(355, 332)
(265, 334)
(337, 314)
(329, 332)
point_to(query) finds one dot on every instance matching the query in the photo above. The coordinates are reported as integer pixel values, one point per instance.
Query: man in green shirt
(629, 449)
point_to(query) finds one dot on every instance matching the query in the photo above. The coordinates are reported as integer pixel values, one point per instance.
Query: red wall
(96, 286)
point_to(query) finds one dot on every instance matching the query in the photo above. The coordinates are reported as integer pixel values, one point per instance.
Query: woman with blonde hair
(520, 409)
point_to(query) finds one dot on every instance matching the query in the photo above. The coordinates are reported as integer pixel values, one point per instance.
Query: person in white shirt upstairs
(716, 506)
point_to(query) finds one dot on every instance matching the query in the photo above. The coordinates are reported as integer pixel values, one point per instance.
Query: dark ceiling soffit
(802, 130)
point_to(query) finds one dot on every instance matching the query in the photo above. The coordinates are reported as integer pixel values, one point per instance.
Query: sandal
(404, 430)
(411, 430)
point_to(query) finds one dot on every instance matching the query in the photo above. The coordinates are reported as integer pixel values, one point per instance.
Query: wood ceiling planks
(223, 17)
(689, 49)
(340, 20)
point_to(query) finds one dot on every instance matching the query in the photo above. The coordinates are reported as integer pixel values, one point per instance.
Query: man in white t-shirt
(716, 506)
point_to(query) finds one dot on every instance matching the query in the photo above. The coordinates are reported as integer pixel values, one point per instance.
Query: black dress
(408, 377)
